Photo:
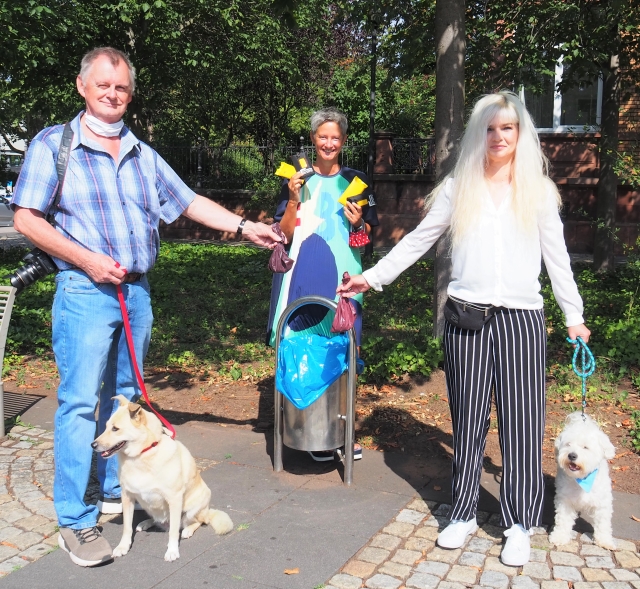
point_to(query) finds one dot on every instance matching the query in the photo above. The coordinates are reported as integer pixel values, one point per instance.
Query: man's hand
(356, 285)
(102, 269)
(260, 234)
(579, 330)
(33, 225)
(211, 214)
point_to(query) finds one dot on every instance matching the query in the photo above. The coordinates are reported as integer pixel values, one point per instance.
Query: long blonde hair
(530, 182)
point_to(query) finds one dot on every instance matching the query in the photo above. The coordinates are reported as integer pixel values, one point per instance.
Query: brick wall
(629, 128)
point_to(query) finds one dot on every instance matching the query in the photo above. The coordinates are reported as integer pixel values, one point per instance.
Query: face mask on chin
(101, 128)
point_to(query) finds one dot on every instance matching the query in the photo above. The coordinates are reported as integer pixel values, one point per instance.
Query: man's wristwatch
(240, 228)
(360, 227)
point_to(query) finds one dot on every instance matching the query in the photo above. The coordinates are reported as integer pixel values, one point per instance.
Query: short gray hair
(329, 115)
(114, 55)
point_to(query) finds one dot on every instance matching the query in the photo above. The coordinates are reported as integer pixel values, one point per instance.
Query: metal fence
(414, 155)
(240, 166)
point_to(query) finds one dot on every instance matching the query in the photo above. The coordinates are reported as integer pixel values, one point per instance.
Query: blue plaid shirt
(107, 207)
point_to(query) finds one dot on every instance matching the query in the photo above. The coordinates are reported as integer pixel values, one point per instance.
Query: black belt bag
(467, 315)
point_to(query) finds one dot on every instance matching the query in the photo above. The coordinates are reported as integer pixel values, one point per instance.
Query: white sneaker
(454, 535)
(517, 549)
(113, 506)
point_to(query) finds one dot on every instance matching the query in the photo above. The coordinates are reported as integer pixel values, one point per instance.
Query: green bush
(398, 327)
(611, 312)
(30, 326)
(266, 194)
(634, 431)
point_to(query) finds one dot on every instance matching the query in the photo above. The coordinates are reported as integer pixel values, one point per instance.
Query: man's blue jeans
(94, 364)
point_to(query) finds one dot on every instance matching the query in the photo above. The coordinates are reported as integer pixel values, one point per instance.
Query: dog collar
(587, 482)
(149, 448)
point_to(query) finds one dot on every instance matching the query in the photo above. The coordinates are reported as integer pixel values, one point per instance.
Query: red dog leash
(132, 352)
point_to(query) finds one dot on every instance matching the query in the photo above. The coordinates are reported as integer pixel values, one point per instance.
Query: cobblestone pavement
(404, 555)
(28, 522)
(27, 518)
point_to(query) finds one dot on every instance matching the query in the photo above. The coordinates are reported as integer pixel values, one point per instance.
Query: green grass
(211, 304)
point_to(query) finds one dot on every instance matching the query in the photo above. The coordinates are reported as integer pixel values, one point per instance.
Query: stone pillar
(384, 152)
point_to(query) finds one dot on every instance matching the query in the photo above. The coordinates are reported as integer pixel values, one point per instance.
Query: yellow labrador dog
(160, 474)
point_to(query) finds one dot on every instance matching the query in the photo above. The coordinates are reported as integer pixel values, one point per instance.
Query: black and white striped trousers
(506, 356)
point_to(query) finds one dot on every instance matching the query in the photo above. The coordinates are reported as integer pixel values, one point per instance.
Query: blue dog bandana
(587, 482)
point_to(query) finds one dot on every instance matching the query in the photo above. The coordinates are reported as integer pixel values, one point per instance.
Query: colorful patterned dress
(321, 253)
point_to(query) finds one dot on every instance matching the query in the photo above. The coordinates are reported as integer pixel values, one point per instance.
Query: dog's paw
(559, 538)
(172, 554)
(608, 543)
(143, 526)
(186, 533)
(120, 550)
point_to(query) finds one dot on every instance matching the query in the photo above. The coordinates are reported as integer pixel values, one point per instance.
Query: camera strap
(62, 161)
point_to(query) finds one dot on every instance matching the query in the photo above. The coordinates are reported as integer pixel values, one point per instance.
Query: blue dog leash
(588, 365)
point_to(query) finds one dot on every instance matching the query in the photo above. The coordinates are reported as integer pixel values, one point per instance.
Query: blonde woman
(502, 211)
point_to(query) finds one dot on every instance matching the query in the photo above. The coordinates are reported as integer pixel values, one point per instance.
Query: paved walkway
(27, 519)
(384, 527)
(404, 554)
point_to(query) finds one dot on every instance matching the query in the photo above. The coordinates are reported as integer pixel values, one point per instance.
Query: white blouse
(496, 262)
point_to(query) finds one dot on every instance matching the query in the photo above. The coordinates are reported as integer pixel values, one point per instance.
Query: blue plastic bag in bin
(308, 364)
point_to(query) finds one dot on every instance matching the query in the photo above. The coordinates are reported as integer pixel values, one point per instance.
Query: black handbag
(467, 315)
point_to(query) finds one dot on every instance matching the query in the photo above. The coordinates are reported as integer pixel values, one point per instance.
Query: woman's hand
(356, 285)
(295, 184)
(353, 213)
(579, 330)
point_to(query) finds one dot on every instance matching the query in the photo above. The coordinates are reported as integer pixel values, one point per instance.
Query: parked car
(6, 212)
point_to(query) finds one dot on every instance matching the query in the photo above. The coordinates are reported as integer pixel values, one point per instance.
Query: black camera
(38, 264)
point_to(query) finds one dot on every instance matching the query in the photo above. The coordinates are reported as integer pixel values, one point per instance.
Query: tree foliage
(207, 70)
(514, 43)
(406, 107)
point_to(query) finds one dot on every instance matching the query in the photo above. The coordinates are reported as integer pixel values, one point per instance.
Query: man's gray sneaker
(86, 548)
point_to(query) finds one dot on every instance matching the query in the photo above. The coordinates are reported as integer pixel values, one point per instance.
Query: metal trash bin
(316, 428)
(329, 422)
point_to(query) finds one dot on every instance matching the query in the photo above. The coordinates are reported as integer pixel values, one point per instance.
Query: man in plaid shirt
(116, 190)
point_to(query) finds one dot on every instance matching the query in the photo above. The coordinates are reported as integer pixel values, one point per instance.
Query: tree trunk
(603, 260)
(449, 124)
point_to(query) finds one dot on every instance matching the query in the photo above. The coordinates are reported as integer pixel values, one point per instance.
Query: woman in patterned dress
(317, 227)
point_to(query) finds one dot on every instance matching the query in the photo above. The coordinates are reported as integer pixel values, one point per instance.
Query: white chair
(7, 297)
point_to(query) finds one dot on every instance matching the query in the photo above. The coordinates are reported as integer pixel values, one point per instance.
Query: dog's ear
(558, 443)
(136, 413)
(608, 448)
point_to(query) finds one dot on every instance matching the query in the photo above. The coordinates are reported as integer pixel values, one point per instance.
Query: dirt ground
(411, 416)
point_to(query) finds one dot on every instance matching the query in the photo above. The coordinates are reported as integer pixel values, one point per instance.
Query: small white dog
(160, 474)
(582, 482)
